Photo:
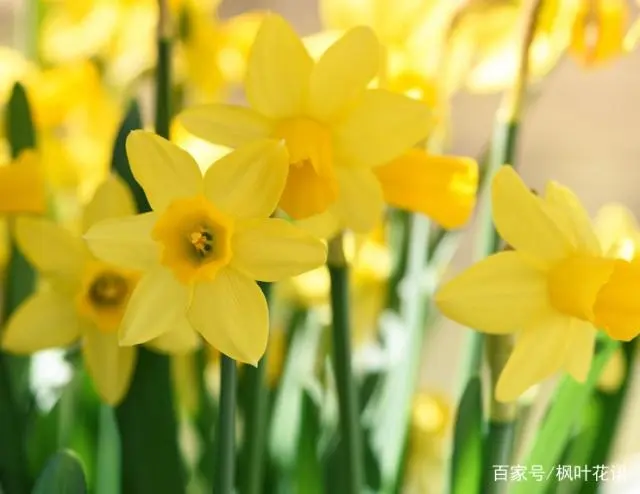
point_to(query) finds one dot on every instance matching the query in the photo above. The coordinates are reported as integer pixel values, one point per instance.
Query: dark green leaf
(62, 475)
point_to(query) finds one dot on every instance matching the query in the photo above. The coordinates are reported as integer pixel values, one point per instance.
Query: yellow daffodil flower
(336, 130)
(82, 298)
(618, 231)
(599, 30)
(552, 289)
(22, 185)
(205, 243)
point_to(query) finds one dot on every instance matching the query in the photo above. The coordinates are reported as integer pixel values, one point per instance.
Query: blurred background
(582, 129)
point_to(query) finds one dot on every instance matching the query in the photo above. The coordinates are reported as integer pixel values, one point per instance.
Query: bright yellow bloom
(82, 298)
(336, 130)
(599, 31)
(618, 231)
(552, 289)
(205, 243)
(22, 186)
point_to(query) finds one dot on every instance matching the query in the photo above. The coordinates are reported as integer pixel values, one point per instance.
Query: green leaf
(308, 468)
(62, 475)
(20, 129)
(467, 458)
(560, 421)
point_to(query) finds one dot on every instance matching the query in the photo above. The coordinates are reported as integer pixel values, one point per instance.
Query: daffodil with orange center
(205, 244)
(337, 131)
(553, 289)
(82, 298)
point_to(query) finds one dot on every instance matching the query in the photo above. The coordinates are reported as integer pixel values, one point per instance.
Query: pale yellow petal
(125, 241)
(278, 71)
(344, 14)
(360, 201)
(177, 341)
(45, 320)
(583, 341)
(49, 247)
(343, 72)
(616, 225)
(570, 214)
(248, 182)
(165, 171)
(274, 249)
(324, 225)
(522, 220)
(381, 127)
(500, 294)
(158, 303)
(231, 314)
(541, 350)
(227, 125)
(109, 365)
(112, 199)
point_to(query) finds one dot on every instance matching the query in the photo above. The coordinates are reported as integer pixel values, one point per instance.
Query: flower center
(311, 185)
(195, 237)
(105, 294)
(575, 283)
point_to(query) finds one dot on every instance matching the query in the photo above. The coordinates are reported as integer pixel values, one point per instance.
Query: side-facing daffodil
(553, 287)
(335, 129)
(81, 297)
(205, 243)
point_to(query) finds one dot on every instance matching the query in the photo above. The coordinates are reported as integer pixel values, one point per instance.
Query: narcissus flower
(22, 185)
(335, 129)
(82, 298)
(553, 289)
(205, 243)
(618, 231)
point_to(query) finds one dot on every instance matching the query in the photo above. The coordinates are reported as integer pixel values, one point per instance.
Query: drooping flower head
(337, 131)
(553, 289)
(205, 243)
(82, 298)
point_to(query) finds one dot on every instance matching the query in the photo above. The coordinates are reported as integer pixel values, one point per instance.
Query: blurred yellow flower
(552, 289)
(618, 231)
(22, 185)
(205, 243)
(336, 130)
(431, 420)
(613, 373)
(81, 298)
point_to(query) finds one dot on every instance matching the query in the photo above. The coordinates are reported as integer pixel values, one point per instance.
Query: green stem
(163, 73)
(256, 431)
(108, 461)
(226, 457)
(347, 398)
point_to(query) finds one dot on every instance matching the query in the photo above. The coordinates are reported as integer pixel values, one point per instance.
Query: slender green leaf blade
(63, 474)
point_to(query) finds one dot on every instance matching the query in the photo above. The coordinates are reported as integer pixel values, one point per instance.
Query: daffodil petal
(583, 341)
(522, 220)
(500, 294)
(614, 223)
(227, 125)
(442, 187)
(231, 314)
(572, 217)
(343, 72)
(177, 341)
(248, 182)
(541, 350)
(125, 241)
(109, 365)
(278, 71)
(157, 305)
(112, 199)
(165, 171)
(324, 225)
(360, 201)
(49, 247)
(381, 127)
(45, 320)
(273, 249)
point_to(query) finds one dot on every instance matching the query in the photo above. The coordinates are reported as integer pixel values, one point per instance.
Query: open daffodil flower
(205, 243)
(554, 288)
(337, 131)
(82, 298)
